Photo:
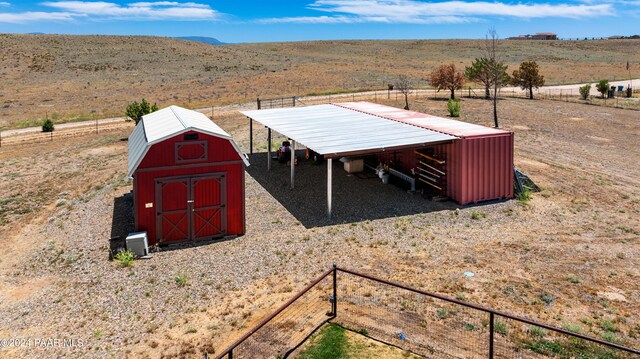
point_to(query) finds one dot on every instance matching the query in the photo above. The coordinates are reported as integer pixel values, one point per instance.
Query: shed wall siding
(160, 162)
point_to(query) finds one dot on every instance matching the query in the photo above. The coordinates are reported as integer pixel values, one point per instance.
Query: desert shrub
(584, 91)
(125, 258)
(454, 108)
(136, 110)
(525, 196)
(181, 280)
(47, 126)
(603, 87)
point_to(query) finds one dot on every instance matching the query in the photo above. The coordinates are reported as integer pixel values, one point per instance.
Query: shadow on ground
(122, 222)
(356, 198)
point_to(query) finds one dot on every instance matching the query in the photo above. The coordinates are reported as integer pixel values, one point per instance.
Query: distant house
(537, 36)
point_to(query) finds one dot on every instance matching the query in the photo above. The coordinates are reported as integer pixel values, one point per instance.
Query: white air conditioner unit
(137, 243)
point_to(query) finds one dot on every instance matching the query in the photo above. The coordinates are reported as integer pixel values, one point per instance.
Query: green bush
(454, 108)
(584, 91)
(603, 87)
(181, 280)
(136, 110)
(47, 126)
(125, 258)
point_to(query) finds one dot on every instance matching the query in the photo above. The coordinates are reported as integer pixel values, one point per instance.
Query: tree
(47, 126)
(584, 91)
(527, 77)
(403, 84)
(603, 87)
(446, 77)
(479, 72)
(136, 110)
(496, 68)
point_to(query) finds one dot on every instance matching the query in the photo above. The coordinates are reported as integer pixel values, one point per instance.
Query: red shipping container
(479, 163)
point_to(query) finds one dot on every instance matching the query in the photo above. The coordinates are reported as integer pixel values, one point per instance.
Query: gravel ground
(57, 281)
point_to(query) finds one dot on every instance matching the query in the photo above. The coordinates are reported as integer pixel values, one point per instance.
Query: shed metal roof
(445, 125)
(166, 123)
(336, 131)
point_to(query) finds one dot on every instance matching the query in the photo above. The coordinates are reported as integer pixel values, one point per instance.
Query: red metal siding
(160, 162)
(479, 164)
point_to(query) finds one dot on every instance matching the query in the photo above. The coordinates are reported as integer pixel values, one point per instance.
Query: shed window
(190, 136)
(191, 151)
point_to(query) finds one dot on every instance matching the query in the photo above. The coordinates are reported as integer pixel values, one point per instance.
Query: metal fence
(420, 322)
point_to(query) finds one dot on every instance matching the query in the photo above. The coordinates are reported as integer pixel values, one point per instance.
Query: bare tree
(497, 69)
(403, 84)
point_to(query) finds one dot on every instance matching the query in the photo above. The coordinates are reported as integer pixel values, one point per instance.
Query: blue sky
(263, 20)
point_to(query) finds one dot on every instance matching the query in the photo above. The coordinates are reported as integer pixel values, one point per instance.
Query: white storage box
(137, 243)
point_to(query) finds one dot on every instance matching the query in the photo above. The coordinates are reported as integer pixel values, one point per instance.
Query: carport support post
(269, 149)
(329, 178)
(293, 162)
(250, 135)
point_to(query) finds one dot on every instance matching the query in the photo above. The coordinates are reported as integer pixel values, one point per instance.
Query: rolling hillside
(70, 77)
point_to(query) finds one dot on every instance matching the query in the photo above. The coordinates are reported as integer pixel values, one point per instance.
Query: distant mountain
(206, 40)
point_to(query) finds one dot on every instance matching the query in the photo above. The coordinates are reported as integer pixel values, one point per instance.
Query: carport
(335, 131)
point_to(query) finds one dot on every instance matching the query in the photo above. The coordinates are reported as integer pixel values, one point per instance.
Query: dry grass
(73, 78)
(569, 257)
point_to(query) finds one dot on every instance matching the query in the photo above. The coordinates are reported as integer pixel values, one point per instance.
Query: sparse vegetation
(125, 258)
(181, 280)
(584, 91)
(136, 110)
(48, 126)
(454, 107)
(603, 87)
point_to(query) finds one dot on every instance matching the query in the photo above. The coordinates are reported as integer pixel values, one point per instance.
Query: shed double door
(191, 208)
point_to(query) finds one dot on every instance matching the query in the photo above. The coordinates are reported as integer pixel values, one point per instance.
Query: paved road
(252, 105)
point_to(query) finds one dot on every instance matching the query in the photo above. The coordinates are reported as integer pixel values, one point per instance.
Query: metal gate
(191, 208)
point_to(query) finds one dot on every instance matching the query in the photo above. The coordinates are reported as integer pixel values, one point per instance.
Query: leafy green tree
(528, 77)
(47, 126)
(584, 91)
(603, 87)
(481, 71)
(446, 77)
(136, 110)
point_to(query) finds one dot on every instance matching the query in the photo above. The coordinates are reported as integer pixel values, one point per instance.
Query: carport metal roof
(335, 131)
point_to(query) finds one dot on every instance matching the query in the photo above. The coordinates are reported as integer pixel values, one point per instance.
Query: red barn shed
(188, 178)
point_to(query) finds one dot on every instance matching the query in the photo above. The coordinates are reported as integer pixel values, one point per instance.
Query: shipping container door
(209, 212)
(172, 218)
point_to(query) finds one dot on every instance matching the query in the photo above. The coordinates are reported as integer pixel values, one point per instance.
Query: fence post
(231, 354)
(491, 335)
(335, 291)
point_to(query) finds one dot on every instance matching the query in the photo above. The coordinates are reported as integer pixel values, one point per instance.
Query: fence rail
(424, 323)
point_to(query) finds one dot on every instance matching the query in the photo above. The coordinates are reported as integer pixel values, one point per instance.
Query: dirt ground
(570, 257)
(74, 78)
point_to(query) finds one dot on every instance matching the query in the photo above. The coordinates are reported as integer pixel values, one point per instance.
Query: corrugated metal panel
(452, 127)
(168, 122)
(334, 131)
(137, 146)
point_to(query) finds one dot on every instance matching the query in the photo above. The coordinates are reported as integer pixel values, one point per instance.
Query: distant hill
(203, 39)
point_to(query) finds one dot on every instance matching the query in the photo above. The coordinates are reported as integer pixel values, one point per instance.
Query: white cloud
(339, 19)
(23, 17)
(103, 10)
(159, 10)
(421, 12)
